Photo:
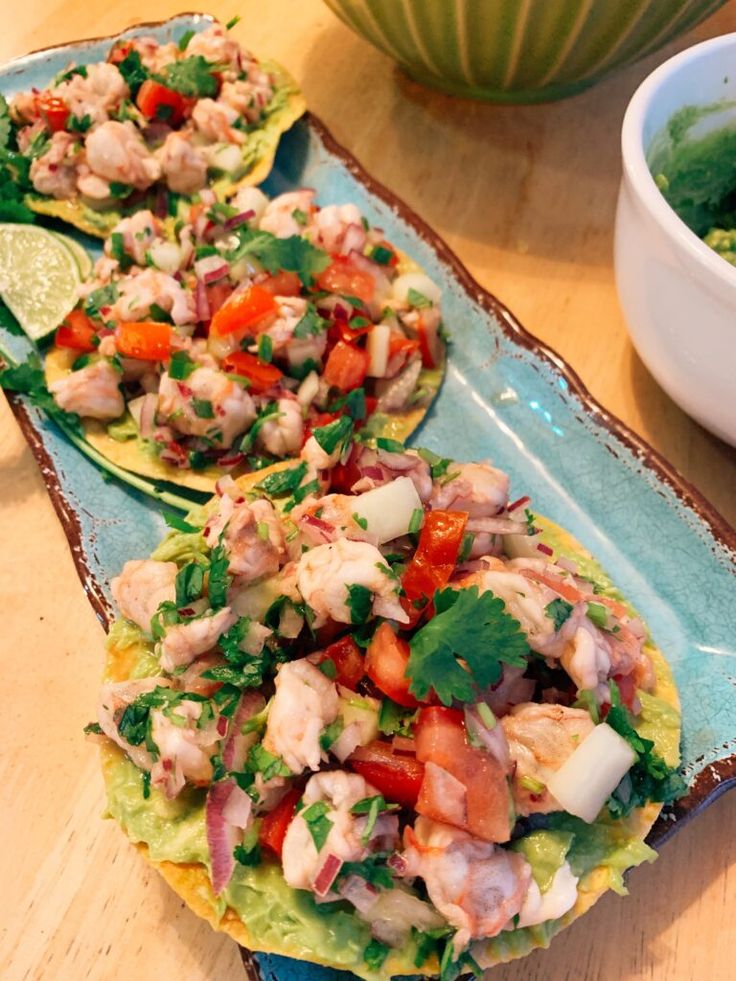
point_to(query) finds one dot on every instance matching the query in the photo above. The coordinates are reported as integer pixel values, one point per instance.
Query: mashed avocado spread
(287, 919)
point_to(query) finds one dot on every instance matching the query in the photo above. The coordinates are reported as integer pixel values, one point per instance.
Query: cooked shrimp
(184, 746)
(182, 164)
(90, 185)
(116, 152)
(95, 94)
(296, 350)
(338, 229)
(115, 697)
(248, 98)
(318, 459)
(215, 119)
(283, 435)
(232, 408)
(184, 641)
(305, 702)
(55, 171)
(138, 233)
(279, 219)
(300, 858)
(92, 392)
(561, 896)
(142, 587)
(251, 534)
(137, 292)
(477, 886)
(325, 574)
(477, 488)
(329, 518)
(383, 467)
(216, 46)
(154, 56)
(541, 737)
(250, 199)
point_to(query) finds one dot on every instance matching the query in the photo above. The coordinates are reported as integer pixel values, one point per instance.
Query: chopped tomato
(402, 345)
(146, 340)
(156, 101)
(244, 311)
(276, 823)
(385, 664)
(397, 777)
(217, 294)
(119, 52)
(348, 660)
(343, 277)
(475, 796)
(627, 689)
(433, 562)
(282, 283)
(54, 110)
(77, 332)
(260, 374)
(347, 366)
(344, 475)
(430, 344)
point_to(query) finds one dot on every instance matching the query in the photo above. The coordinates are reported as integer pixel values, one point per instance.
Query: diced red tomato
(217, 295)
(386, 661)
(347, 366)
(156, 101)
(282, 283)
(77, 332)
(246, 311)
(344, 475)
(430, 344)
(119, 52)
(397, 777)
(147, 340)
(348, 660)
(627, 689)
(402, 345)
(260, 374)
(276, 823)
(484, 809)
(54, 110)
(343, 277)
(433, 562)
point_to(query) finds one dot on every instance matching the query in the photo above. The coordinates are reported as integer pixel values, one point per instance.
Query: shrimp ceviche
(368, 711)
(220, 343)
(151, 123)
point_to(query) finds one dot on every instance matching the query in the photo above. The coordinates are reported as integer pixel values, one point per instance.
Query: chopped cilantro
(181, 365)
(382, 255)
(99, 299)
(371, 807)
(438, 464)
(160, 315)
(193, 77)
(373, 869)
(375, 954)
(300, 493)
(299, 216)
(466, 547)
(558, 611)
(265, 348)
(331, 732)
(269, 766)
(310, 324)
(428, 943)
(79, 124)
(203, 408)
(394, 719)
(133, 71)
(530, 519)
(219, 580)
(203, 251)
(360, 521)
(283, 481)
(146, 784)
(120, 190)
(70, 73)
(232, 22)
(179, 524)
(81, 362)
(269, 411)
(315, 817)
(418, 300)
(117, 250)
(389, 445)
(249, 852)
(329, 670)
(469, 627)
(359, 602)
(416, 521)
(353, 403)
(8, 321)
(184, 40)
(334, 434)
(28, 379)
(189, 584)
(93, 729)
(294, 254)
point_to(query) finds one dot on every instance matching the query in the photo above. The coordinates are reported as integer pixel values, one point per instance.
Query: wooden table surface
(526, 196)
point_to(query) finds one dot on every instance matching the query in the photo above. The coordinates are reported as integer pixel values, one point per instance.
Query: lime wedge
(39, 276)
(82, 256)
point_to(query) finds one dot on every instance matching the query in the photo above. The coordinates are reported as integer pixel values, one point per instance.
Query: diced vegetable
(145, 340)
(347, 366)
(397, 777)
(76, 332)
(386, 661)
(261, 375)
(388, 510)
(54, 111)
(276, 823)
(244, 311)
(587, 779)
(156, 101)
(344, 277)
(378, 347)
(418, 283)
(434, 560)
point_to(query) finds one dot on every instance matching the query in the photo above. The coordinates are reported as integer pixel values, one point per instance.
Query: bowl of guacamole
(675, 240)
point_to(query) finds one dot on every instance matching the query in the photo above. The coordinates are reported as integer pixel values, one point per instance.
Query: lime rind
(39, 277)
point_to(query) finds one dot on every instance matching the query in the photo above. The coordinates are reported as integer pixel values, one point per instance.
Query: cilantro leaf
(181, 365)
(100, 298)
(8, 321)
(192, 76)
(261, 761)
(28, 379)
(294, 254)
(189, 583)
(133, 71)
(5, 126)
(650, 778)
(375, 954)
(219, 580)
(373, 869)
(390, 445)
(437, 464)
(353, 403)
(334, 433)
(283, 481)
(418, 300)
(359, 602)
(310, 324)
(394, 719)
(558, 611)
(371, 807)
(469, 626)
(203, 408)
(331, 732)
(315, 817)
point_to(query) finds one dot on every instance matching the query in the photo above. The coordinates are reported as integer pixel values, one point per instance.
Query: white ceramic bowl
(677, 294)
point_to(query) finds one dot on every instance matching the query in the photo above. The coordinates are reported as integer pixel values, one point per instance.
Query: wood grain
(526, 196)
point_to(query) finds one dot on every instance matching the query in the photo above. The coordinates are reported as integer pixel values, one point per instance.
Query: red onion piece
(545, 549)
(237, 220)
(215, 274)
(222, 837)
(326, 875)
(519, 503)
(231, 461)
(397, 863)
(493, 740)
(353, 239)
(358, 892)
(161, 206)
(324, 530)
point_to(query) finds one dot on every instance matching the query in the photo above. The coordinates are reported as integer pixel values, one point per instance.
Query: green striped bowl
(518, 50)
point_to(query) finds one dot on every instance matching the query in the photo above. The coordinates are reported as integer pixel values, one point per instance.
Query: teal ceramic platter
(506, 397)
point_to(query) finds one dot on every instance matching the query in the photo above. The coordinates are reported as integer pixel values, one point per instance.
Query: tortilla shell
(191, 881)
(259, 151)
